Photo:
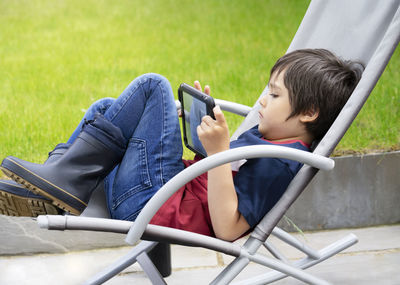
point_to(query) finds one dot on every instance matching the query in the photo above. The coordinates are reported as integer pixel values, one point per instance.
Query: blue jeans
(146, 114)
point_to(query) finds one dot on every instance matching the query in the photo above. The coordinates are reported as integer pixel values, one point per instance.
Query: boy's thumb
(219, 116)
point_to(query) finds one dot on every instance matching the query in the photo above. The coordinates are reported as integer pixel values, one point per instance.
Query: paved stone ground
(374, 260)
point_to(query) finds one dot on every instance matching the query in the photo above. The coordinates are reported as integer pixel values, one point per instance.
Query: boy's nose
(263, 100)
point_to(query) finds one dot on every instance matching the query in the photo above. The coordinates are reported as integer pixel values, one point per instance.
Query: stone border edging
(360, 191)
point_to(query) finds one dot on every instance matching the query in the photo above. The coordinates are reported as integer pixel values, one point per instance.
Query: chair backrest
(362, 30)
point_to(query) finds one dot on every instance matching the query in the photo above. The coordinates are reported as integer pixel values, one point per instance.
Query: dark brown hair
(320, 81)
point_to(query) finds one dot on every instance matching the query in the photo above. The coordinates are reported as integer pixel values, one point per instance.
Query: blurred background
(58, 57)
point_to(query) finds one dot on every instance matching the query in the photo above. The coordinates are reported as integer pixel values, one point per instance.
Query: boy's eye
(273, 95)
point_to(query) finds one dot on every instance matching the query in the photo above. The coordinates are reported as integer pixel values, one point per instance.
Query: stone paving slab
(374, 260)
(364, 268)
(21, 235)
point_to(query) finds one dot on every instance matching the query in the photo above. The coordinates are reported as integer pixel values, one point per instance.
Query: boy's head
(318, 85)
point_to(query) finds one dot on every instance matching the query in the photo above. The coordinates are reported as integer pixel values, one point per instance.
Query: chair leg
(307, 262)
(121, 263)
(150, 269)
(160, 255)
(231, 271)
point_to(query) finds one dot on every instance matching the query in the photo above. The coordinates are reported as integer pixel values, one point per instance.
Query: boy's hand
(214, 134)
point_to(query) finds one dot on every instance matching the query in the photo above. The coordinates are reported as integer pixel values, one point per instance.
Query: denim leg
(100, 106)
(146, 114)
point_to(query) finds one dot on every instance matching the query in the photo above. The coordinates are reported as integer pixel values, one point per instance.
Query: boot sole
(18, 206)
(38, 189)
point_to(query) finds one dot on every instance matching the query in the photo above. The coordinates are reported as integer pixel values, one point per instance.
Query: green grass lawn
(57, 57)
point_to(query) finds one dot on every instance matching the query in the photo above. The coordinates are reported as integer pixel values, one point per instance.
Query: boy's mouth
(259, 114)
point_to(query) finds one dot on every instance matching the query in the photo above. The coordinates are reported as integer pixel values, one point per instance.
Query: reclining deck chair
(364, 30)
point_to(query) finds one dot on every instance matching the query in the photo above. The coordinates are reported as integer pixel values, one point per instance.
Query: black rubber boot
(16, 200)
(69, 181)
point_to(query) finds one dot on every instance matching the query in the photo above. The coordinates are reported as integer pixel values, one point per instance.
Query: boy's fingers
(207, 120)
(219, 116)
(199, 131)
(207, 90)
(197, 85)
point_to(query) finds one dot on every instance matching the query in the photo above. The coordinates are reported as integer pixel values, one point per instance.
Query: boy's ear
(309, 116)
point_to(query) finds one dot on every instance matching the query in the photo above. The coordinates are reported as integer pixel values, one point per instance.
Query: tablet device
(194, 106)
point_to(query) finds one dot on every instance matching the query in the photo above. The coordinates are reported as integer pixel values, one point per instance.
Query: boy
(134, 145)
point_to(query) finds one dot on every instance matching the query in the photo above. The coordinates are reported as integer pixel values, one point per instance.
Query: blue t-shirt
(261, 182)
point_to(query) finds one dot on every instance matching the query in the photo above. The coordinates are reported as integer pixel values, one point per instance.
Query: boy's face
(275, 109)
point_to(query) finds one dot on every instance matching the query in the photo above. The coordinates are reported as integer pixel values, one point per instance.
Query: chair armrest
(235, 108)
(191, 172)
